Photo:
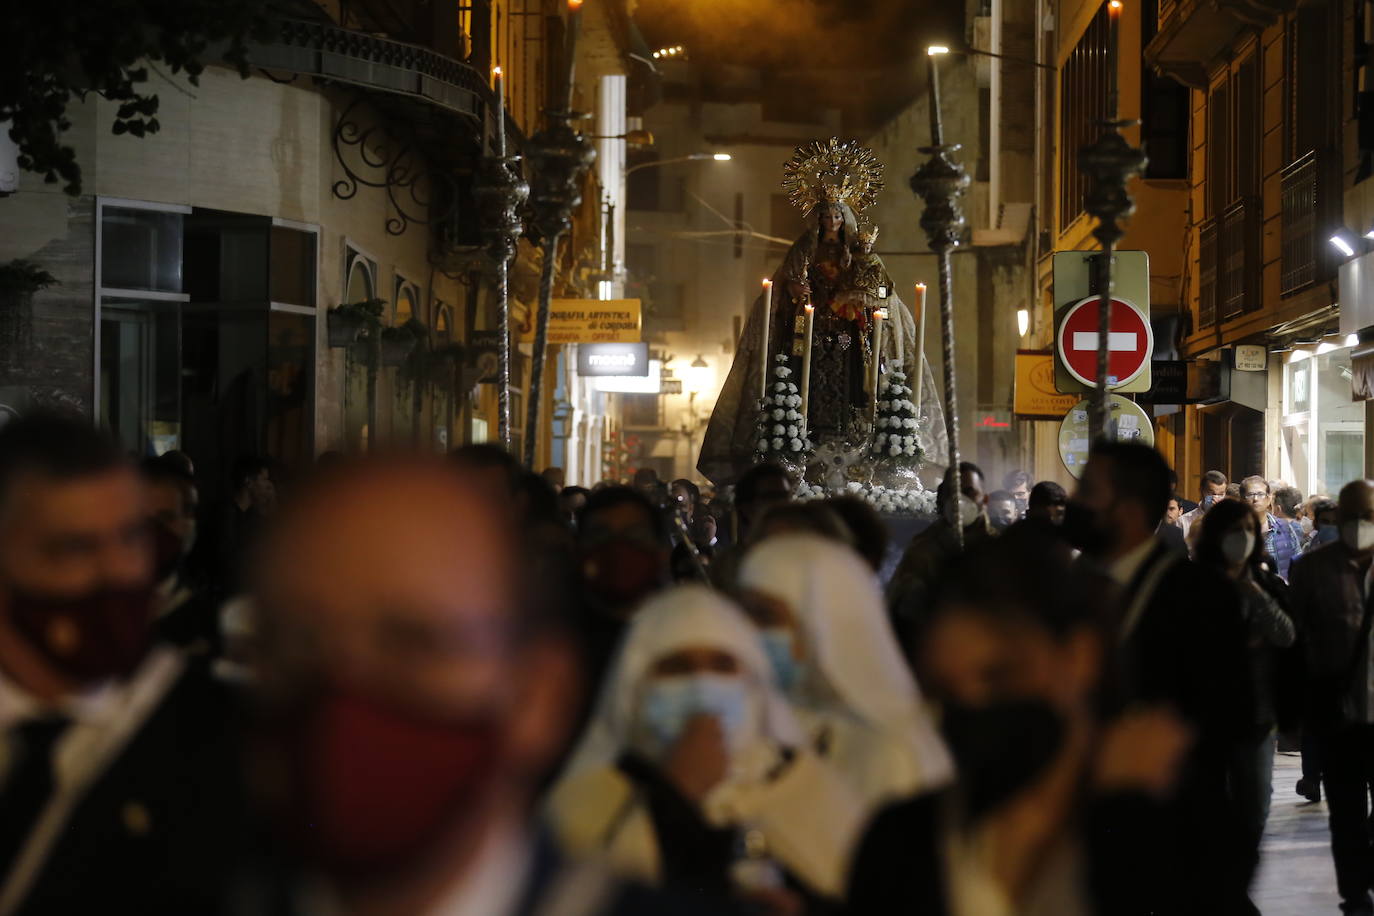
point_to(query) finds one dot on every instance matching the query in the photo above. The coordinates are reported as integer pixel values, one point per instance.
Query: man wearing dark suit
(1182, 643)
(1329, 591)
(115, 768)
(415, 695)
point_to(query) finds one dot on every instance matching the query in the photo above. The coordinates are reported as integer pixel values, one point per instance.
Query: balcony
(1193, 34)
(346, 56)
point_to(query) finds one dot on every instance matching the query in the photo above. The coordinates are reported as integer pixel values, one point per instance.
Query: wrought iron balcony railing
(1207, 274)
(1301, 208)
(1239, 259)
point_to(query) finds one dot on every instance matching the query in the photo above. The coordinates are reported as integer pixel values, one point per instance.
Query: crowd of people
(409, 685)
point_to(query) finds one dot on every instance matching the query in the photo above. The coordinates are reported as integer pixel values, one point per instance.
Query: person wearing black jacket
(1054, 793)
(1229, 543)
(1329, 587)
(1181, 641)
(117, 762)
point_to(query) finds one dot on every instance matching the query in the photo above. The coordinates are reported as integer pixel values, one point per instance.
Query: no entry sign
(1129, 342)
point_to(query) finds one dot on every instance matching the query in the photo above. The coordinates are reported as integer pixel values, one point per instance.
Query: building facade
(197, 272)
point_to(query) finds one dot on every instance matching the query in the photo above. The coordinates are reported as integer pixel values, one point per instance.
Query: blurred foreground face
(1008, 692)
(410, 706)
(64, 538)
(76, 567)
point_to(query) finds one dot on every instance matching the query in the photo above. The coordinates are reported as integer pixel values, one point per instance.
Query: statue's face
(831, 219)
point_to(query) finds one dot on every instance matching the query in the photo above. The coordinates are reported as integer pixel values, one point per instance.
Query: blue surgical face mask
(1207, 502)
(670, 702)
(779, 643)
(1326, 534)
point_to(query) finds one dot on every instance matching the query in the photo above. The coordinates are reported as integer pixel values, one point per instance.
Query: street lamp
(698, 375)
(693, 157)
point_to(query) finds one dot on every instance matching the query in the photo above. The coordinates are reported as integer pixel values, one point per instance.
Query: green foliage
(24, 278)
(66, 49)
(369, 311)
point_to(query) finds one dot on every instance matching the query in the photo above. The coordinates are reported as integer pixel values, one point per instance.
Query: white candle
(767, 320)
(920, 369)
(879, 316)
(500, 91)
(806, 362)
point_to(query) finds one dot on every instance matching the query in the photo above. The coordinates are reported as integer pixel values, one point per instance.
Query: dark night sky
(865, 56)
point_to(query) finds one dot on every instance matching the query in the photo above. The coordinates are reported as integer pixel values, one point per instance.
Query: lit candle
(574, 29)
(500, 91)
(767, 320)
(806, 361)
(879, 316)
(920, 370)
(937, 131)
(1113, 55)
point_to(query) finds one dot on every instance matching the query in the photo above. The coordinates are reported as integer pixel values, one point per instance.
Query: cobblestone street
(1296, 877)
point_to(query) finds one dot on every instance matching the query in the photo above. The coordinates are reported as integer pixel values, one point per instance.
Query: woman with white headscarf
(694, 771)
(825, 628)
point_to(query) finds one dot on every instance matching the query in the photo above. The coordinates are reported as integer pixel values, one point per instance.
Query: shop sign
(671, 386)
(649, 383)
(603, 359)
(1251, 357)
(1126, 422)
(1188, 381)
(589, 321)
(1036, 395)
(992, 420)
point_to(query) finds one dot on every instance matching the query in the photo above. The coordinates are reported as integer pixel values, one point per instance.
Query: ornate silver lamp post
(940, 183)
(1111, 162)
(559, 157)
(501, 193)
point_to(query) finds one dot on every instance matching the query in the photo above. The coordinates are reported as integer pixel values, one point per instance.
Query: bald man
(415, 698)
(1330, 592)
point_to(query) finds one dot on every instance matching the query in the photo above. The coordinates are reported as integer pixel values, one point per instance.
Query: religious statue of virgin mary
(832, 268)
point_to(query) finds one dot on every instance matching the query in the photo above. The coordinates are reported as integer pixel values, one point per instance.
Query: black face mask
(1083, 528)
(999, 749)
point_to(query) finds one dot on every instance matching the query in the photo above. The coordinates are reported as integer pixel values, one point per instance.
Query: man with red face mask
(115, 765)
(414, 698)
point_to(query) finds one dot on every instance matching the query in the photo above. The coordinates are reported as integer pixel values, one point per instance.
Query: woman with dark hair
(1230, 543)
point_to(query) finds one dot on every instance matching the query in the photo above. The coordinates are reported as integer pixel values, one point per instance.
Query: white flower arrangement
(781, 431)
(916, 500)
(895, 438)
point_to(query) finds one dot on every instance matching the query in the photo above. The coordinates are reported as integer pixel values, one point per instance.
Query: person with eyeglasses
(1282, 537)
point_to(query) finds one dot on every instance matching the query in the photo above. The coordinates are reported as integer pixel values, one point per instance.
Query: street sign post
(1127, 422)
(1129, 343)
(1078, 275)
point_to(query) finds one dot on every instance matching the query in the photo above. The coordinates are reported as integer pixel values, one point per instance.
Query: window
(141, 248)
(408, 304)
(640, 409)
(138, 321)
(1083, 108)
(292, 266)
(443, 322)
(1233, 136)
(641, 184)
(361, 277)
(1164, 106)
(1311, 91)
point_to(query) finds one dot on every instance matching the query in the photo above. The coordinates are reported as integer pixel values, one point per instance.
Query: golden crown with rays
(832, 171)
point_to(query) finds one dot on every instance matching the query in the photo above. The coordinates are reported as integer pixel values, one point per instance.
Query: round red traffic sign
(1129, 342)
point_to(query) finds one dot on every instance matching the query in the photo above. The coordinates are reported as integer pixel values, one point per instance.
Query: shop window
(140, 384)
(1323, 428)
